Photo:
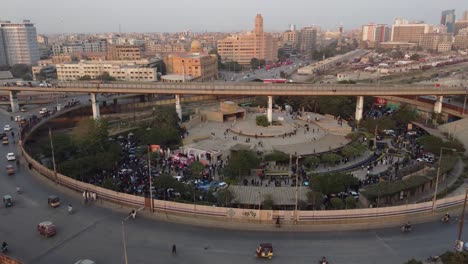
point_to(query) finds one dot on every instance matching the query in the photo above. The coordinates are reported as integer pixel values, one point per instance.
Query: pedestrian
(174, 249)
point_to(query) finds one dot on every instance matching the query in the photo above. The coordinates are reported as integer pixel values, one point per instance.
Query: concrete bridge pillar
(95, 106)
(270, 109)
(178, 107)
(438, 105)
(359, 108)
(14, 101)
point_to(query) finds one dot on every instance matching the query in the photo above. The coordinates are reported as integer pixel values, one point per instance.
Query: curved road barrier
(294, 220)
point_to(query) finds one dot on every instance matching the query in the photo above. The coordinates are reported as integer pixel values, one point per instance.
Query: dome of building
(196, 46)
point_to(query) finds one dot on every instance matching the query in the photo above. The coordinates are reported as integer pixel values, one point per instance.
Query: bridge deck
(247, 88)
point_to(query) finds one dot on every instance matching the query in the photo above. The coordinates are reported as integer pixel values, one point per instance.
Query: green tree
(277, 156)
(20, 70)
(105, 76)
(168, 182)
(91, 136)
(315, 199)
(232, 66)
(224, 197)
(85, 78)
(331, 158)
(415, 57)
(282, 55)
(311, 162)
(405, 114)
(240, 163)
(197, 169)
(413, 261)
(262, 120)
(371, 124)
(333, 182)
(254, 63)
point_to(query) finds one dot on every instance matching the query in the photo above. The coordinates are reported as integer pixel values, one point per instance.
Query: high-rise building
(436, 41)
(465, 15)
(242, 48)
(3, 58)
(461, 40)
(19, 43)
(409, 32)
(459, 25)
(373, 32)
(448, 19)
(308, 40)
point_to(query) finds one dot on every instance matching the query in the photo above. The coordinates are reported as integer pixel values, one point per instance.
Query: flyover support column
(178, 107)
(14, 101)
(359, 108)
(438, 105)
(95, 106)
(270, 109)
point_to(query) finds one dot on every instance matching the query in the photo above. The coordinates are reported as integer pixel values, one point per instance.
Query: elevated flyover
(242, 88)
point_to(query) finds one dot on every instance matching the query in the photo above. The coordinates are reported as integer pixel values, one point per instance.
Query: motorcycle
(405, 229)
(4, 247)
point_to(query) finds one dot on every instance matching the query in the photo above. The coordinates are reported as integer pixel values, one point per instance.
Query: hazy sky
(57, 16)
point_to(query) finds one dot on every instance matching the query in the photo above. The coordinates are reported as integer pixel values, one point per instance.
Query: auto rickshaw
(10, 169)
(265, 250)
(47, 229)
(7, 201)
(5, 140)
(53, 201)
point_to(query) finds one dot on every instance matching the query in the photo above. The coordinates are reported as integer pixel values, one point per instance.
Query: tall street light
(462, 220)
(437, 177)
(150, 179)
(53, 155)
(124, 239)
(297, 189)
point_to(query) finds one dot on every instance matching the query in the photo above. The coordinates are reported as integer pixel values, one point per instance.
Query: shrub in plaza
(240, 164)
(315, 200)
(277, 156)
(413, 261)
(433, 144)
(262, 120)
(224, 197)
(350, 202)
(333, 182)
(311, 162)
(454, 257)
(336, 203)
(330, 158)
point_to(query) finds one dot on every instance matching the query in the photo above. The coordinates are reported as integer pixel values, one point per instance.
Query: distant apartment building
(290, 37)
(62, 58)
(155, 48)
(465, 15)
(411, 33)
(376, 32)
(80, 47)
(448, 19)
(42, 40)
(194, 64)
(459, 25)
(242, 48)
(124, 52)
(436, 41)
(461, 40)
(121, 70)
(19, 43)
(308, 39)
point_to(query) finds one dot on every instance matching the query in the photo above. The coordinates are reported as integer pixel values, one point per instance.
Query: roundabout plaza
(102, 231)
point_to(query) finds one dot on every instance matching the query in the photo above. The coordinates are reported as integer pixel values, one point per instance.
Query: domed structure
(196, 46)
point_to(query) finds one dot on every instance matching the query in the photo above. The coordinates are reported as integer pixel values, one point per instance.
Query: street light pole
(464, 102)
(462, 220)
(53, 155)
(297, 189)
(437, 178)
(150, 180)
(124, 242)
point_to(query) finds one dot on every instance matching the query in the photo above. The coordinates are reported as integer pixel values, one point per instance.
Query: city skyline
(207, 15)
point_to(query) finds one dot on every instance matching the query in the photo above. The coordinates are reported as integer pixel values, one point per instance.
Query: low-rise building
(124, 52)
(121, 70)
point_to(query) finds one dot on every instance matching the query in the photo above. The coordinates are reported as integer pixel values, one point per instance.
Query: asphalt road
(96, 233)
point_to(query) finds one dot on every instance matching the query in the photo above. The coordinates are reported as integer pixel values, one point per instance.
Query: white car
(7, 128)
(389, 132)
(412, 133)
(10, 156)
(43, 111)
(85, 261)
